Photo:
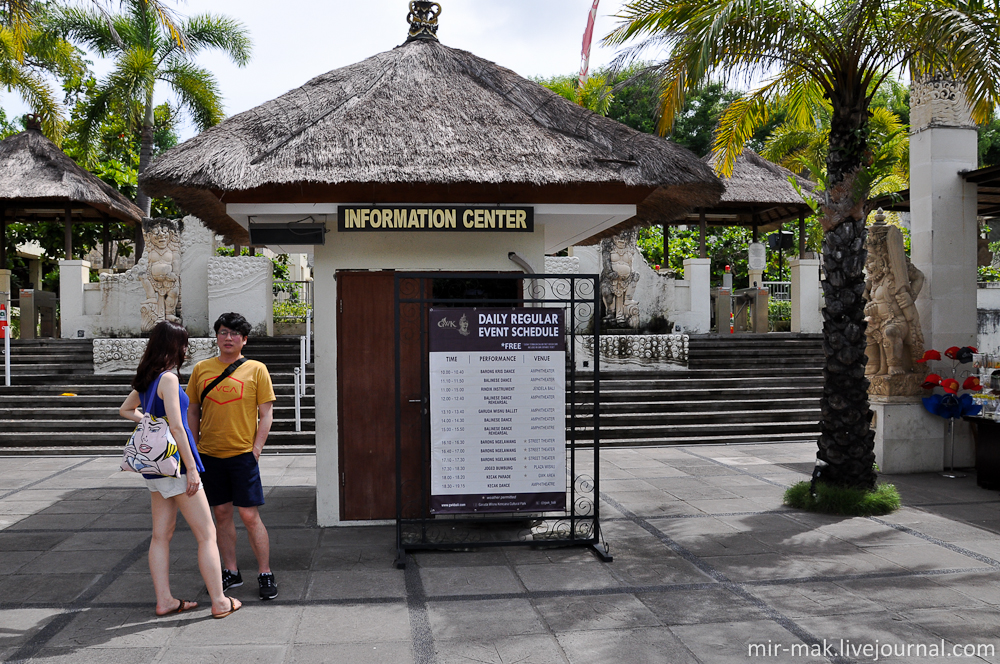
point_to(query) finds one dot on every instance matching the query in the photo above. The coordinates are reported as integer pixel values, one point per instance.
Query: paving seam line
(416, 605)
(45, 479)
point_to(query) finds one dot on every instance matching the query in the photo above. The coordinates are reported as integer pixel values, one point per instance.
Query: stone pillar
(72, 276)
(698, 273)
(908, 439)
(943, 230)
(806, 315)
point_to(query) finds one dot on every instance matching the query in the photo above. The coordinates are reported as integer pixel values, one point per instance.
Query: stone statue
(895, 340)
(618, 280)
(161, 280)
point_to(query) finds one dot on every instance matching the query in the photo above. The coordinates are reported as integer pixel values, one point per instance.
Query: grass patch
(832, 499)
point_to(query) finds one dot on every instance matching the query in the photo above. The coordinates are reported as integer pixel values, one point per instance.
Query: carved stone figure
(895, 340)
(618, 280)
(161, 280)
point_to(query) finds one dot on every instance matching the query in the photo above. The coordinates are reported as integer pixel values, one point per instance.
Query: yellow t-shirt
(229, 414)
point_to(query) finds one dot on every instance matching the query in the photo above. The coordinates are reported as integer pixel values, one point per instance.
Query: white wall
(402, 252)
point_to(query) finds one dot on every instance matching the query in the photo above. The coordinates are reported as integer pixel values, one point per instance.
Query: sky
(295, 40)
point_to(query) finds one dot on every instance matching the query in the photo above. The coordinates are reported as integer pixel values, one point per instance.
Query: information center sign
(498, 410)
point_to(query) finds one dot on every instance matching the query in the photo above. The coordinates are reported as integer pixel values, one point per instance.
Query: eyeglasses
(227, 333)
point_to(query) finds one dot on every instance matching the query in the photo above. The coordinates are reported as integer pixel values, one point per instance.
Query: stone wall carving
(121, 356)
(618, 280)
(895, 340)
(938, 101)
(562, 265)
(242, 284)
(161, 280)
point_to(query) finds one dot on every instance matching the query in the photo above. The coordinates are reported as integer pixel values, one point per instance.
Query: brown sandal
(232, 609)
(182, 606)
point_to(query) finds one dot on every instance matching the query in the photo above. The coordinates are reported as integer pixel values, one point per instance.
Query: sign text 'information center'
(442, 218)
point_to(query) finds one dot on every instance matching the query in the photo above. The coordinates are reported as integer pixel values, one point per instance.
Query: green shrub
(845, 501)
(779, 310)
(290, 312)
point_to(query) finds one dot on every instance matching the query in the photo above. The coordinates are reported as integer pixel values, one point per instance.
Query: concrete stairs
(56, 405)
(737, 389)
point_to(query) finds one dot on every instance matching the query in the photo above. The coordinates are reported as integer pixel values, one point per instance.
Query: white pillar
(806, 315)
(698, 273)
(755, 279)
(72, 276)
(5, 282)
(943, 230)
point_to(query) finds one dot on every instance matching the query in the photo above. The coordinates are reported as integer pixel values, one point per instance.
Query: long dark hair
(165, 350)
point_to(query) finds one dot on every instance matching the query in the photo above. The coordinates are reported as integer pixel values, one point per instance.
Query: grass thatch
(34, 172)
(844, 501)
(426, 114)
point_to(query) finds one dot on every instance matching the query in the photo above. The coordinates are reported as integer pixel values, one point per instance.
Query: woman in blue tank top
(156, 384)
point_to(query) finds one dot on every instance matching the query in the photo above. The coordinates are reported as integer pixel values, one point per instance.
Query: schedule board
(498, 410)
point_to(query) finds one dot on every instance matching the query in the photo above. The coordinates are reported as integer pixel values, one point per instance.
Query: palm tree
(843, 50)
(145, 53)
(27, 54)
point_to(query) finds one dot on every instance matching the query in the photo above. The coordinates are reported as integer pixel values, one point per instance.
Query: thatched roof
(759, 192)
(425, 122)
(38, 180)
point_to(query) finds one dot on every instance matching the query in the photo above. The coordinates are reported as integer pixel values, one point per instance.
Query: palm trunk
(847, 442)
(145, 153)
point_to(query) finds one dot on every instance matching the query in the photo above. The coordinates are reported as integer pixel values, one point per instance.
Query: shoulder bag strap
(224, 375)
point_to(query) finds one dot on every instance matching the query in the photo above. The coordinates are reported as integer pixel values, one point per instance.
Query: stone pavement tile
(138, 588)
(708, 469)
(97, 655)
(62, 523)
(770, 566)
(483, 619)
(705, 605)
(592, 575)
(650, 505)
(720, 506)
(730, 544)
(621, 529)
(358, 536)
(45, 588)
(256, 623)
(650, 645)
(675, 528)
(399, 652)
(979, 587)
(71, 562)
(353, 623)
(813, 599)
(808, 542)
(11, 562)
(924, 557)
(625, 458)
(73, 506)
(654, 470)
(899, 594)
(759, 492)
(933, 525)
(539, 554)
(886, 628)
(664, 453)
(23, 508)
(41, 495)
(775, 523)
(663, 570)
(681, 484)
(972, 625)
(730, 481)
(615, 487)
(610, 472)
(570, 614)
(344, 558)
(227, 654)
(138, 521)
(731, 642)
(446, 581)
(864, 532)
(473, 558)
(20, 625)
(356, 584)
(123, 628)
(101, 541)
(533, 649)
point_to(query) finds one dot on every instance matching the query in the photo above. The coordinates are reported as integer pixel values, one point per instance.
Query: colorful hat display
(972, 384)
(932, 380)
(951, 352)
(950, 385)
(930, 355)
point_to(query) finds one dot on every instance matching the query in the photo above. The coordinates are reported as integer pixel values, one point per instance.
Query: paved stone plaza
(707, 565)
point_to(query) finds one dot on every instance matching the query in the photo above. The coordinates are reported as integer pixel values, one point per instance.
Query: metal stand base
(950, 472)
(601, 551)
(400, 562)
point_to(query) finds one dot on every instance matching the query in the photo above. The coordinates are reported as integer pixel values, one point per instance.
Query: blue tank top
(158, 409)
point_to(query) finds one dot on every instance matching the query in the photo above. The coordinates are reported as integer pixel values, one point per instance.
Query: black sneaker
(231, 580)
(268, 588)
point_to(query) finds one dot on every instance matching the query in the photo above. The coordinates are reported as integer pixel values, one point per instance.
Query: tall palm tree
(844, 49)
(145, 53)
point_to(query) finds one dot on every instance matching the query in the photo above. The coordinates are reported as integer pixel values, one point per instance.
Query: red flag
(588, 36)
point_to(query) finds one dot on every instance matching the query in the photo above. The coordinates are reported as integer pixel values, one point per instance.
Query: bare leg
(226, 535)
(199, 517)
(257, 534)
(164, 520)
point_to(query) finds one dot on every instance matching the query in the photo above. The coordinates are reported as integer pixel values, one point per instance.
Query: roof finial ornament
(33, 121)
(423, 18)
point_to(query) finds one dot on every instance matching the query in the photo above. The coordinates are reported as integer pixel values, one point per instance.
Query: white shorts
(168, 487)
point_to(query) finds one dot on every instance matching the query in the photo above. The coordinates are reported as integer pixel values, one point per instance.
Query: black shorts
(233, 480)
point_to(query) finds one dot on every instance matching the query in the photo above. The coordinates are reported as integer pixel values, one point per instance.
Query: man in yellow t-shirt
(230, 428)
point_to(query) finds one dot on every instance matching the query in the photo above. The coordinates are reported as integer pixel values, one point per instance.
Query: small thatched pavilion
(422, 125)
(39, 182)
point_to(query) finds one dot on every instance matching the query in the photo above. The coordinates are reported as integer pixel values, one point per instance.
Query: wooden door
(366, 389)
